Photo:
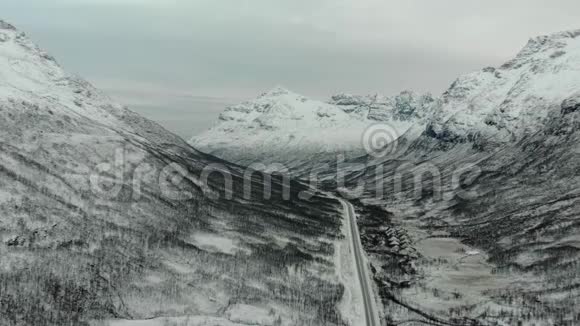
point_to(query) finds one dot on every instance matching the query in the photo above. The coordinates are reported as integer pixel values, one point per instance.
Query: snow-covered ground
(236, 315)
(214, 242)
(184, 321)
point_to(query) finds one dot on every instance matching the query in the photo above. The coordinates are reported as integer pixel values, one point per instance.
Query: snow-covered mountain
(494, 105)
(283, 127)
(503, 104)
(93, 225)
(475, 219)
(104, 215)
(476, 222)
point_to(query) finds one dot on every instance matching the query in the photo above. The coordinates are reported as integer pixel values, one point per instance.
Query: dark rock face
(444, 136)
(571, 105)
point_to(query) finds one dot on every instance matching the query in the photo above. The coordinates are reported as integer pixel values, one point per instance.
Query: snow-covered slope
(498, 105)
(104, 215)
(477, 221)
(284, 127)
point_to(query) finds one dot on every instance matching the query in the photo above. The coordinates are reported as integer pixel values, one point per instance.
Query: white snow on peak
(277, 91)
(504, 103)
(38, 97)
(32, 82)
(29, 73)
(493, 105)
(279, 121)
(280, 126)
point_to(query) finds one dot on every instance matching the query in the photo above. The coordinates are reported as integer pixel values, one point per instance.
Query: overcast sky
(181, 61)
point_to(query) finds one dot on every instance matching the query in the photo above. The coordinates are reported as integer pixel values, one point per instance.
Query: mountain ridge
(486, 105)
(108, 216)
(283, 127)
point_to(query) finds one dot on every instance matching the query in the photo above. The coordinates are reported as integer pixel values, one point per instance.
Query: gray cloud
(238, 48)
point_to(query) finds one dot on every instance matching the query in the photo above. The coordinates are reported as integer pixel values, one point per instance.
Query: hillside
(476, 220)
(107, 216)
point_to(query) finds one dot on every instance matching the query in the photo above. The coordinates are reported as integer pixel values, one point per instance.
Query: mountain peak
(505, 104)
(558, 35)
(277, 91)
(24, 50)
(546, 44)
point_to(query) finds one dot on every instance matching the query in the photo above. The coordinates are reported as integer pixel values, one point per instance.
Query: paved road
(371, 313)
